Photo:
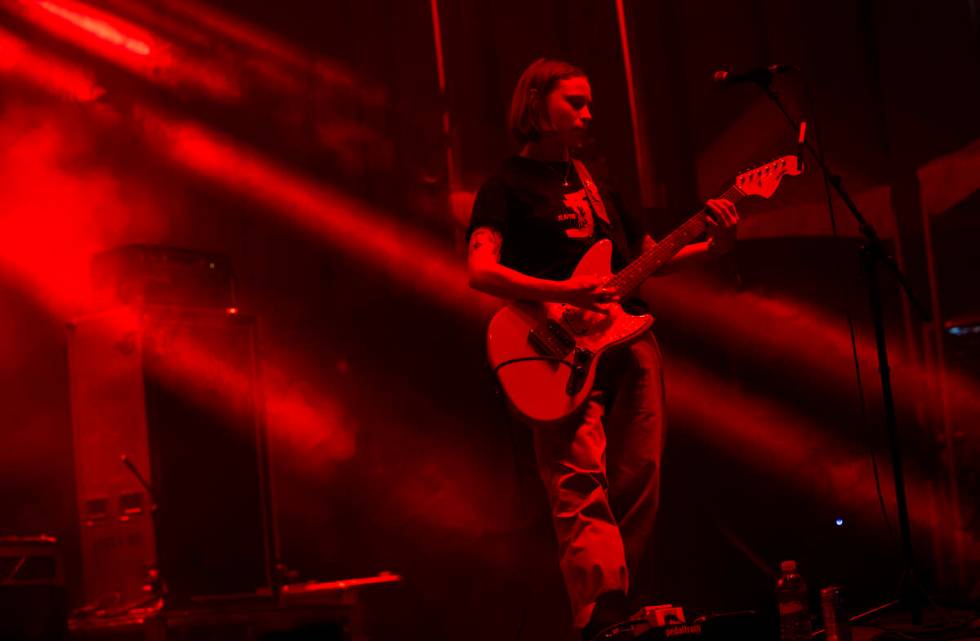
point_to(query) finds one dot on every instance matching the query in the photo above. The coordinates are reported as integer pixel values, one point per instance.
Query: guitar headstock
(764, 179)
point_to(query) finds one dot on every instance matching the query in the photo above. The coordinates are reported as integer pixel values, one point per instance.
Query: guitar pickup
(561, 334)
(539, 344)
(551, 339)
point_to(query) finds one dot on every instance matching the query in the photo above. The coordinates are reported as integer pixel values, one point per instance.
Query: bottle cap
(788, 566)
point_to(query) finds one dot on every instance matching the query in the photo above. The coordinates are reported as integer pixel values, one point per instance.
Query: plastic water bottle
(794, 607)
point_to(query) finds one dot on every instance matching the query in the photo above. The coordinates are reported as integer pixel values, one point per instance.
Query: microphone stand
(159, 588)
(911, 595)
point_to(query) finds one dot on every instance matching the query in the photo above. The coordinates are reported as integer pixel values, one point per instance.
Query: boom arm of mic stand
(139, 477)
(874, 243)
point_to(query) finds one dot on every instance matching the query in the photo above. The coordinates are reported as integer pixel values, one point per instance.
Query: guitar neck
(633, 275)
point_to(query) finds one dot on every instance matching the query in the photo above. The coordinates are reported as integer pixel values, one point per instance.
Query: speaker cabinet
(33, 606)
(171, 395)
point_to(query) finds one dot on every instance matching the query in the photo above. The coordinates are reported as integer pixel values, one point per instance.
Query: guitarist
(531, 223)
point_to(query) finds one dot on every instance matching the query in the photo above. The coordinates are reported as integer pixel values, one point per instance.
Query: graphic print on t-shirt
(575, 215)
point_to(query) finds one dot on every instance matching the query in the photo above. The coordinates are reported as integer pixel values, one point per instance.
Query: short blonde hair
(534, 85)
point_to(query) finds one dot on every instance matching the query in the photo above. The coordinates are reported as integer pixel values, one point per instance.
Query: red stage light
(404, 252)
(792, 447)
(19, 60)
(797, 336)
(95, 30)
(97, 25)
(52, 217)
(132, 47)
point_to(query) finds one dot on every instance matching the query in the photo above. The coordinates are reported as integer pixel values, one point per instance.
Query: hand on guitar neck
(720, 227)
(587, 291)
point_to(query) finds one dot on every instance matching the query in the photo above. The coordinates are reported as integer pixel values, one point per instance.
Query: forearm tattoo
(485, 238)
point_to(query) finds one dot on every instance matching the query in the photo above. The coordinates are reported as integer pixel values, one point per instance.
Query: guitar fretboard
(633, 275)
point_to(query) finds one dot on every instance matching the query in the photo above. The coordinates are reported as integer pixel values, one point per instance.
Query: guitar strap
(591, 191)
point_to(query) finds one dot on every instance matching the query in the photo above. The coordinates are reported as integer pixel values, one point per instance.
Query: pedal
(659, 616)
(667, 623)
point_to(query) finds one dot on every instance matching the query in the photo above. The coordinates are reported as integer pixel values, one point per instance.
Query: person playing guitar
(532, 222)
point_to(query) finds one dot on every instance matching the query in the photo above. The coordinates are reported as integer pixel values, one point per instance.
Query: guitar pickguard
(544, 367)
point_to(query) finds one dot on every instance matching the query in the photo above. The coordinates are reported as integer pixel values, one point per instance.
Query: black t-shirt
(547, 227)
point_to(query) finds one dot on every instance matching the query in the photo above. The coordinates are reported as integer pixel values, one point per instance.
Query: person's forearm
(504, 282)
(691, 255)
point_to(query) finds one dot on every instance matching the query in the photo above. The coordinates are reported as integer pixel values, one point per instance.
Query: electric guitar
(545, 354)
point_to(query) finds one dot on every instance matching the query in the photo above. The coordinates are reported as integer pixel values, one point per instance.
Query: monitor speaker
(170, 456)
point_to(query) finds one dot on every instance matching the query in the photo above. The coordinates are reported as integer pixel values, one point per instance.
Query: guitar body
(545, 354)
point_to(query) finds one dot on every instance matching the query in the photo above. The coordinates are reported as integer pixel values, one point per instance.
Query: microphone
(758, 75)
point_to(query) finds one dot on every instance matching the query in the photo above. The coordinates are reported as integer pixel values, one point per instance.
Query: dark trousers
(601, 471)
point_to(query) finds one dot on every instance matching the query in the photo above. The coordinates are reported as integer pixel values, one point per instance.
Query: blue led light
(963, 330)
(839, 521)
